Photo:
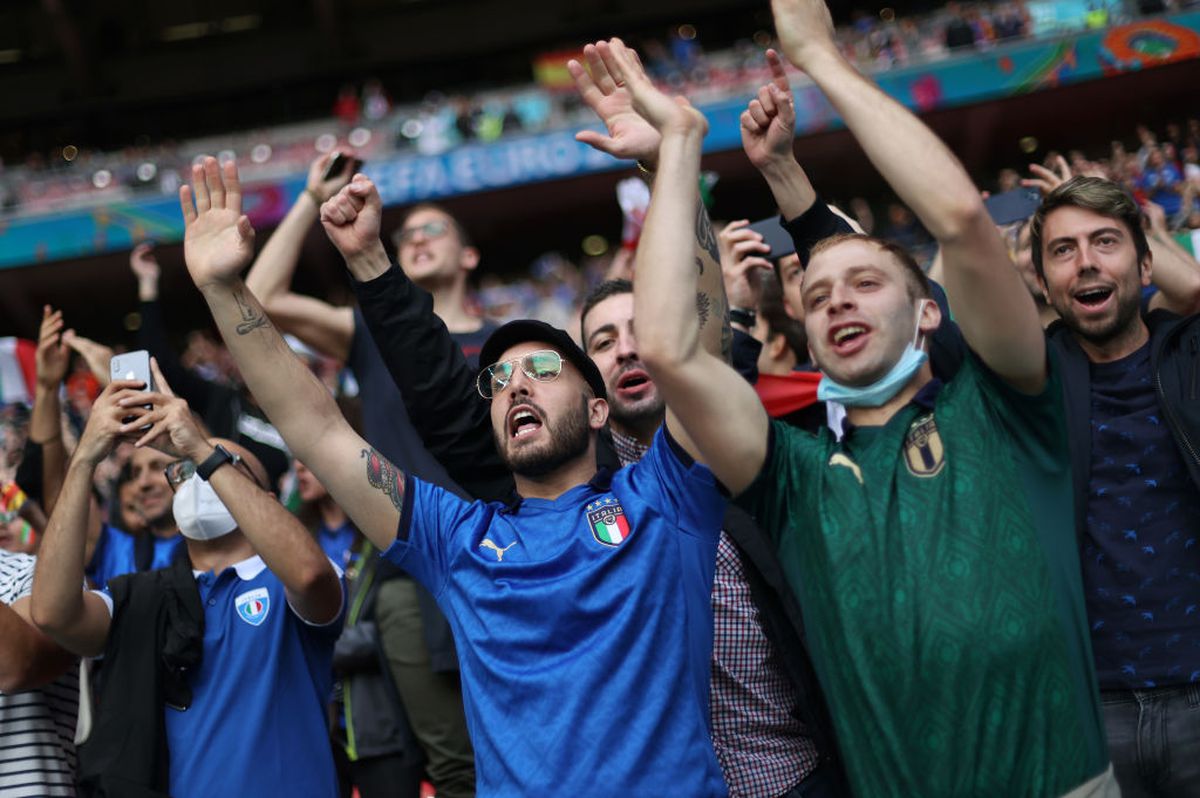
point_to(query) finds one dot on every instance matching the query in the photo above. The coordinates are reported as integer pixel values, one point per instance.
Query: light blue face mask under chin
(882, 390)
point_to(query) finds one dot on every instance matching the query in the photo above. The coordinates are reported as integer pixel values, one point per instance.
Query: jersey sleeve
(773, 497)
(686, 492)
(1036, 422)
(432, 519)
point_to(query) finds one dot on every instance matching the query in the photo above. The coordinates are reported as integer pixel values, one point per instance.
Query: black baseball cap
(522, 330)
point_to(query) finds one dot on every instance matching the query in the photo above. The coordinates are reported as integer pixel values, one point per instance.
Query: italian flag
(18, 372)
(613, 528)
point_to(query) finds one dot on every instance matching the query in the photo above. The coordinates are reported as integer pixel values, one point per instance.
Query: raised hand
(1046, 180)
(1155, 219)
(173, 429)
(324, 189)
(769, 121)
(352, 218)
(805, 29)
(145, 268)
(629, 136)
(96, 355)
(52, 356)
(740, 265)
(666, 114)
(105, 425)
(218, 241)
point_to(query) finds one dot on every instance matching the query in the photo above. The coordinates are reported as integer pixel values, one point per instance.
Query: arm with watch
(313, 587)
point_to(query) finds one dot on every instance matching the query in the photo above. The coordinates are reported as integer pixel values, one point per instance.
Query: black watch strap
(218, 458)
(743, 316)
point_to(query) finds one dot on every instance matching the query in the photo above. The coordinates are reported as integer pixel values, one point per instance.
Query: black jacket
(455, 422)
(156, 639)
(1175, 362)
(375, 717)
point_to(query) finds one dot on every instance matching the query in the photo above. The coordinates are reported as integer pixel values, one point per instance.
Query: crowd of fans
(799, 531)
(369, 121)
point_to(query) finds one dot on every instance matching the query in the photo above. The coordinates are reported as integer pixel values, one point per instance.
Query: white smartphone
(132, 366)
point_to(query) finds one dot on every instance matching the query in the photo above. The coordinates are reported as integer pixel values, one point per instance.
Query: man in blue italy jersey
(582, 611)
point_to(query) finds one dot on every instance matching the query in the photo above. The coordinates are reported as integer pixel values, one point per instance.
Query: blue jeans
(1154, 740)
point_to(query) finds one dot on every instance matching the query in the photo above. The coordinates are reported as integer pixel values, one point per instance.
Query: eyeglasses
(179, 472)
(429, 230)
(543, 365)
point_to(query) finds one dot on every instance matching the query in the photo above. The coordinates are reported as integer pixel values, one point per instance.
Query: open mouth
(848, 338)
(1093, 297)
(522, 421)
(632, 381)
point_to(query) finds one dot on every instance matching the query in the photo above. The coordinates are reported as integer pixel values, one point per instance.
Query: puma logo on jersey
(839, 459)
(487, 544)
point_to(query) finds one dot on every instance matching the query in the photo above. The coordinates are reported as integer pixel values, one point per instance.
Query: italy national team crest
(607, 519)
(923, 451)
(253, 606)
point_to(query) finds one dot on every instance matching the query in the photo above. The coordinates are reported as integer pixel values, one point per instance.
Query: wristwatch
(218, 458)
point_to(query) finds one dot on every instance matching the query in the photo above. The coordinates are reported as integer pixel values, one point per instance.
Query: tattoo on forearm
(252, 317)
(700, 265)
(705, 236)
(703, 307)
(726, 337)
(385, 477)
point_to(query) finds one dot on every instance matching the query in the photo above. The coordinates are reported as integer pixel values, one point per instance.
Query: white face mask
(199, 511)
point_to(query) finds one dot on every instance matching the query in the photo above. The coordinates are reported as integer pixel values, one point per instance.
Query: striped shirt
(37, 727)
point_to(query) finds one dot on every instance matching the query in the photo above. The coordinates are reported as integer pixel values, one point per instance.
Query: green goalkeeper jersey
(936, 563)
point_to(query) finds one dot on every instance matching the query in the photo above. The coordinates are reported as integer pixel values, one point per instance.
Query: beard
(647, 412)
(1105, 331)
(567, 440)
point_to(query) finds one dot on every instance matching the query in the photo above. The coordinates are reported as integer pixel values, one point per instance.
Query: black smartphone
(1013, 206)
(775, 237)
(338, 165)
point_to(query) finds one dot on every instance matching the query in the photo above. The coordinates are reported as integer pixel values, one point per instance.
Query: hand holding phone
(132, 366)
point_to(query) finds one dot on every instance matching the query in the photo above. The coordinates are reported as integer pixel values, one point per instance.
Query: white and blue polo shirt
(584, 628)
(257, 724)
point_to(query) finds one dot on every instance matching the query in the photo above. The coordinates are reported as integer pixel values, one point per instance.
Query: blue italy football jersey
(584, 628)
(257, 724)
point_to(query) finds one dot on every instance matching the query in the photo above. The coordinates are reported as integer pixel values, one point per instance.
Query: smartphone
(338, 165)
(1013, 206)
(775, 237)
(132, 366)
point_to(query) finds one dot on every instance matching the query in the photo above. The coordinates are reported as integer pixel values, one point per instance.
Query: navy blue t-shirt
(116, 554)
(1141, 553)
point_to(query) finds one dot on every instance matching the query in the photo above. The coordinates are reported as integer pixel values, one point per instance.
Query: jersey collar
(246, 569)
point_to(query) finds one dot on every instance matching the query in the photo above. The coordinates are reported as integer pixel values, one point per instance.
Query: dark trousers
(1154, 740)
(377, 776)
(818, 784)
(432, 700)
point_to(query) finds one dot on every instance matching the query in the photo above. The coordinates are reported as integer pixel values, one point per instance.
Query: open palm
(629, 135)
(218, 241)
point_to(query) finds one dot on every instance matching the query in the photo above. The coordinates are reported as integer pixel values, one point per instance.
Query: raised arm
(218, 244)
(77, 619)
(1176, 273)
(996, 313)
(768, 138)
(632, 136)
(327, 328)
(45, 423)
(427, 365)
(711, 410)
(290, 552)
(153, 335)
